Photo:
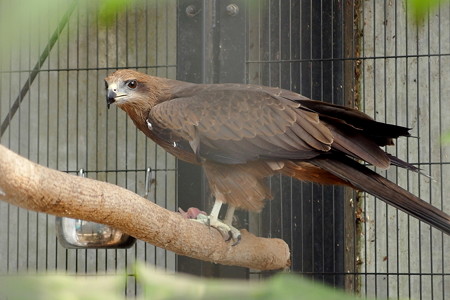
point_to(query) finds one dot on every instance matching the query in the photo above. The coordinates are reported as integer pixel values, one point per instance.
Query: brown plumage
(242, 134)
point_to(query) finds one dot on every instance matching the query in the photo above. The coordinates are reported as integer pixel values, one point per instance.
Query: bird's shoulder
(212, 105)
(180, 89)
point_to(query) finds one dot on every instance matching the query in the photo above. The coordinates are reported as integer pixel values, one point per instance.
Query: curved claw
(224, 227)
(234, 235)
(226, 230)
(238, 240)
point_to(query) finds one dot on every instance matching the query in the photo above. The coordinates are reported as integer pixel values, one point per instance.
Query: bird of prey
(240, 134)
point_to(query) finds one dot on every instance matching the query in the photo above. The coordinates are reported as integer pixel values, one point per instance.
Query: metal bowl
(76, 233)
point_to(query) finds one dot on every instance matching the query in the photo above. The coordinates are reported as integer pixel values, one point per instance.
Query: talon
(238, 240)
(235, 235)
(224, 227)
(230, 236)
(228, 232)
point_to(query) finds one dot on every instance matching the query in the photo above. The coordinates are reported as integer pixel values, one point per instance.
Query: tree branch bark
(34, 187)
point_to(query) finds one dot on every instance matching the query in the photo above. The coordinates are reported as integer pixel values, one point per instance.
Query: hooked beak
(110, 97)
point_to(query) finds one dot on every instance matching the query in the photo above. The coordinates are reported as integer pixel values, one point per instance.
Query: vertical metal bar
(230, 52)
(38, 157)
(441, 155)
(145, 61)
(232, 42)
(190, 15)
(332, 100)
(397, 173)
(77, 84)
(106, 119)
(407, 148)
(166, 62)
(116, 146)
(136, 137)
(430, 234)
(290, 205)
(269, 82)
(155, 157)
(323, 195)
(97, 120)
(419, 155)
(127, 138)
(67, 119)
(57, 132)
(203, 57)
(47, 158)
(311, 79)
(385, 83)
(76, 133)
(374, 95)
(28, 152)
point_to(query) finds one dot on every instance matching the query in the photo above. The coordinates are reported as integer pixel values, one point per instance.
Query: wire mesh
(359, 53)
(297, 45)
(62, 122)
(371, 55)
(402, 82)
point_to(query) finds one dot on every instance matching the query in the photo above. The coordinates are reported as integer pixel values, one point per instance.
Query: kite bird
(240, 134)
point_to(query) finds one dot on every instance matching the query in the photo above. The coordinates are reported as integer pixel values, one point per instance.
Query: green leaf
(284, 286)
(156, 285)
(421, 8)
(62, 287)
(109, 9)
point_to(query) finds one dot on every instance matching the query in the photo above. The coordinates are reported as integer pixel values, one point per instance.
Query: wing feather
(243, 123)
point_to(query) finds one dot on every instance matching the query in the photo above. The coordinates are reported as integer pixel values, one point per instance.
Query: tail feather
(381, 133)
(403, 164)
(365, 179)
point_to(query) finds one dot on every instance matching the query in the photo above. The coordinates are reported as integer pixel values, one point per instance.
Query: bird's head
(129, 88)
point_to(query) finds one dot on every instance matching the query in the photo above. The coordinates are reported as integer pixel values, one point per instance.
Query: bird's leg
(234, 233)
(224, 227)
(229, 215)
(214, 215)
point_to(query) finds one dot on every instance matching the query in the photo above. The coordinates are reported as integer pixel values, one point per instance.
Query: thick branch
(34, 187)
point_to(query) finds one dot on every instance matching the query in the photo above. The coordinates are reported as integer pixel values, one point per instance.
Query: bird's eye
(132, 84)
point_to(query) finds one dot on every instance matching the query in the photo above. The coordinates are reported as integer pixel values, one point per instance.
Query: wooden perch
(34, 187)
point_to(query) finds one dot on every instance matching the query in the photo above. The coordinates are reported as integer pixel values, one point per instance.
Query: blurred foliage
(109, 9)
(32, 22)
(161, 285)
(421, 8)
(61, 287)
(281, 286)
(20, 25)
